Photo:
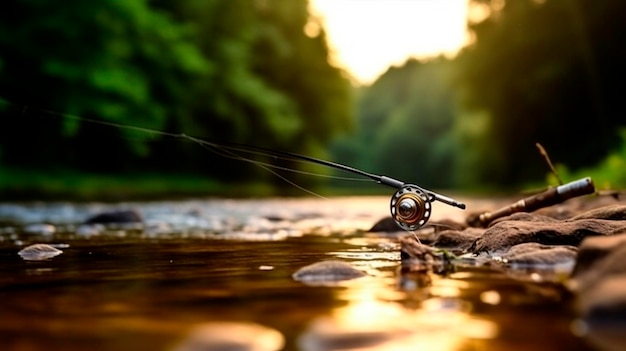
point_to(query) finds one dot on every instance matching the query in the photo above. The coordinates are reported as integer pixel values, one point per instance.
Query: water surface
(216, 264)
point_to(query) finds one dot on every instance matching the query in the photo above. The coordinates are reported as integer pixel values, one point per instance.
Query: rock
(386, 224)
(411, 249)
(115, 217)
(524, 216)
(599, 260)
(232, 336)
(599, 280)
(595, 249)
(457, 240)
(39, 252)
(612, 212)
(537, 254)
(330, 271)
(604, 304)
(417, 257)
(505, 234)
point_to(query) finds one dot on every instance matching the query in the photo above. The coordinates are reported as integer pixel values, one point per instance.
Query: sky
(366, 37)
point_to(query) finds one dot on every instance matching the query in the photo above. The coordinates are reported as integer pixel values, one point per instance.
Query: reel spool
(410, 207)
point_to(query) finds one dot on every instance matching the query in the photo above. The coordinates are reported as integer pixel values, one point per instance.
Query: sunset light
(368, 36)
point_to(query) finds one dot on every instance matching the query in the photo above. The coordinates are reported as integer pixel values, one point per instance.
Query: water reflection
(369, 323)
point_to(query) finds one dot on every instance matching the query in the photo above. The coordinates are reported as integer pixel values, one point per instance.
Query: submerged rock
(327, 272)
(231, 336)
(115, 217)
(39, 252)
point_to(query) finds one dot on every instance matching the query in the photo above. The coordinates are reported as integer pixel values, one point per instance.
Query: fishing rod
(410, 205)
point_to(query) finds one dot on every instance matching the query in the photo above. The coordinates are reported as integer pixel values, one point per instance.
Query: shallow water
(212, 268)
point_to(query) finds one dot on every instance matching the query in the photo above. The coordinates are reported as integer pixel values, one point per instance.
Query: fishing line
(410, 206)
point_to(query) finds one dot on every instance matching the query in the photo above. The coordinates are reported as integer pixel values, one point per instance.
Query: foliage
(406, 125)
(543, 71)
(237, 71)
(607, 174)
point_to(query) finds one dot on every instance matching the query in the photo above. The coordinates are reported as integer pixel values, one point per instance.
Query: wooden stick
(551, 196)
(545, 155)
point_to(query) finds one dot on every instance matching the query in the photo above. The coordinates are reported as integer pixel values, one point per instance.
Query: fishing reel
(411, 207)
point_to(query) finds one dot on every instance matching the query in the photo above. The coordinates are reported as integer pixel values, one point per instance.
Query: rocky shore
(583, 239)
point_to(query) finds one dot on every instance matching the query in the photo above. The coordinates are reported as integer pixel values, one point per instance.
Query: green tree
(405, 125)
(225, 70)
(546, 71)
(118, 61)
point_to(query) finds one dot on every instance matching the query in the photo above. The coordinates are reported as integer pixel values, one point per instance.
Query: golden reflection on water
(376, 318)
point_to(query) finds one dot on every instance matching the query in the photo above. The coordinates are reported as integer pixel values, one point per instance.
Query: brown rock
(595, 249)
(506, 234)
(538, 254)
(412, 249)
(612, 212)
(524, 216)
(386, 224)
(604, 303)
(600, 259)
(457, 240)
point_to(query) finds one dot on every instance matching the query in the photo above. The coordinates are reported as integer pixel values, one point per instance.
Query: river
(222, 269)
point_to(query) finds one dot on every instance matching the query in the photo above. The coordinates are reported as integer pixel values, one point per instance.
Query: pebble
(327, 272)
(39, 252)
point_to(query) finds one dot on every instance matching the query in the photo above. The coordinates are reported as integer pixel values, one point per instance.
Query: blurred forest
(242, 71)
(547, 71)
(236, 71)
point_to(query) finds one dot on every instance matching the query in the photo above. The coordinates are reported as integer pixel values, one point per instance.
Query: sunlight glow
(368, 36)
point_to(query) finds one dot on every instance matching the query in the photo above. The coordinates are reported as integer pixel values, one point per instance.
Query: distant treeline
(549, 71)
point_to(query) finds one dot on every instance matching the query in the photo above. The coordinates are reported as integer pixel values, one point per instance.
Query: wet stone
(39, 252)
(534, 254)
(386, 224)
(418, 257)
(503, 235)
(327, 271)
(595, 249)
(593, 267)
(604, 304)
(457, 240)
(115, 217)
